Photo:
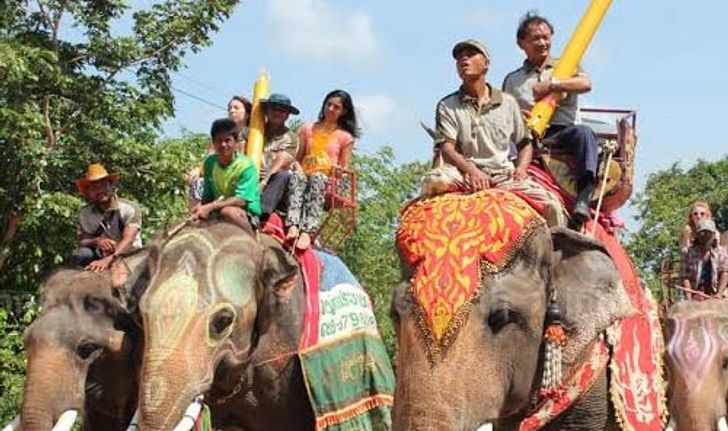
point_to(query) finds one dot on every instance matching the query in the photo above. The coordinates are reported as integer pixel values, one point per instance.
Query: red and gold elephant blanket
(633, 352)
(449, 240)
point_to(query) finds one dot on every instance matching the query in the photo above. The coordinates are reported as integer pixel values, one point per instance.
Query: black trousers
(273, 197)
(581, 142)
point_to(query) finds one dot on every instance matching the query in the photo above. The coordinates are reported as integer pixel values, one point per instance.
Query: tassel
(555, 338)
(204, 421)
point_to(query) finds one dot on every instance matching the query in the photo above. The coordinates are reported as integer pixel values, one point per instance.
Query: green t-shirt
(239, 179)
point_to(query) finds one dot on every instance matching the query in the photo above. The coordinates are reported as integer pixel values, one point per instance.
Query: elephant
(84, 348)
(490, 373)
(223, 316)
(696, 335)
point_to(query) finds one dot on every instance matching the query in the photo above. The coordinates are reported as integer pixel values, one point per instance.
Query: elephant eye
(725, 363)
(500, 318)
(94, 304)
(221, 321)
(86, 349)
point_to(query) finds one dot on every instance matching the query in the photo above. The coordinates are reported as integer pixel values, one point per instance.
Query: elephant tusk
(190, 417)
(485, 427)
(66, 421)
(722, 425)
(134, 424)
(671, 425)
(14, 425)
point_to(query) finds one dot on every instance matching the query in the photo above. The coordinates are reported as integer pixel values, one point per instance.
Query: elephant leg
(591, 412)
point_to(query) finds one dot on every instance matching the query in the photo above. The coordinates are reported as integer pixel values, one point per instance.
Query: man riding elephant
(109, 225)
(475, 127)
(532, 82)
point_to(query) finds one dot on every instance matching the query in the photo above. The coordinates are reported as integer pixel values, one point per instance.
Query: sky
(663, 59)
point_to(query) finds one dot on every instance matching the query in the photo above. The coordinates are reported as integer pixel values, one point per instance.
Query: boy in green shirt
(231, 180)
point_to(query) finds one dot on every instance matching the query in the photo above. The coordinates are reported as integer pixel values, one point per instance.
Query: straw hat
(94, 172)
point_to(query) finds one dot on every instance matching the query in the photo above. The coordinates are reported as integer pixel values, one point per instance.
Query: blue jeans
(82, 256)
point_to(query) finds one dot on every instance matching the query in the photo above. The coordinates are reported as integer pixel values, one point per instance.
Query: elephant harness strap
(552, 402)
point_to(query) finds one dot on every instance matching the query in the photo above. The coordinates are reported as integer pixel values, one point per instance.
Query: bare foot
(292, 233)
(304, 241)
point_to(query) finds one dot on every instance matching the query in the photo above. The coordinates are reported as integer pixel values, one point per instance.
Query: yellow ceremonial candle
(254, 147)
(567, 64)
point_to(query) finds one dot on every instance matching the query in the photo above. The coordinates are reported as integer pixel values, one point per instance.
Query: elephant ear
(279, 271)
(589, 289)
(130, 277)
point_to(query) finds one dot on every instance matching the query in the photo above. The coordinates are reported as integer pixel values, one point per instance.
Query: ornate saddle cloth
(348, 376)
(633, 351)
(449, 241)
(637, 384)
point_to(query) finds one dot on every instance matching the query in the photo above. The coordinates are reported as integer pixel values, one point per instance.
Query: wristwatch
(553, 82)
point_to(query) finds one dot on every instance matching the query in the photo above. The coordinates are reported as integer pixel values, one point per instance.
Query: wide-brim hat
(470, 43)
(94, 172)
(280, 101)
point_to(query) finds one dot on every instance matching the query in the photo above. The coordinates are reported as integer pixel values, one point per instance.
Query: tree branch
(44, 14)
(106, 80)
(11, 228)
(57, 22)
(51, 137)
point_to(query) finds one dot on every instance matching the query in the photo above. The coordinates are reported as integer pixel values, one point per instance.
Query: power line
(198, 98)
(202, 84)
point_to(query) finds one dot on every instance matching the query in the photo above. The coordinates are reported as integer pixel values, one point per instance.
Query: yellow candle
(254, 146)
(567, 64)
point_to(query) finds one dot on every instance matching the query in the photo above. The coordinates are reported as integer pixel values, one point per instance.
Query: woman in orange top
(323, 145)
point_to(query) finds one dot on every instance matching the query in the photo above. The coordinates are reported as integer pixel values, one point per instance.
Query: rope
(695, 292)
(610, 149)
(239, 386)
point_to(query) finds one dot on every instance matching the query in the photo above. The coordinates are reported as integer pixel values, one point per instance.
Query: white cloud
(315, 29)
(378, 113)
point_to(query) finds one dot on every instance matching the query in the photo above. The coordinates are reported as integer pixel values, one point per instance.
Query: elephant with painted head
(224, 319)
(84, 348)
(696, 334)
(477, 362)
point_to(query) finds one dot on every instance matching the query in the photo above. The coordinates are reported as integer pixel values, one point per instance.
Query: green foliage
(663, 207)
(98, 96)
(384, 187)
(12, 359)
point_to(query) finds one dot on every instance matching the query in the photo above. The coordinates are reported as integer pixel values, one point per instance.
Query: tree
(97, 96)
(662, 210)
(12, 358)
(384, 187)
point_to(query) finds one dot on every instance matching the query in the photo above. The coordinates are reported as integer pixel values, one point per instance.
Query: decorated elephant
(488, 288)
(224, 318)
(696, 335)
(84, 348)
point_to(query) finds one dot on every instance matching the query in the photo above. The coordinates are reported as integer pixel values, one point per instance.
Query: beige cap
(470, 43)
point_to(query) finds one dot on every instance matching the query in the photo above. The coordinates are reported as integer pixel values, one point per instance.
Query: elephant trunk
(170, 382)
(444, 395)
(52, 386)
(703, 414)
